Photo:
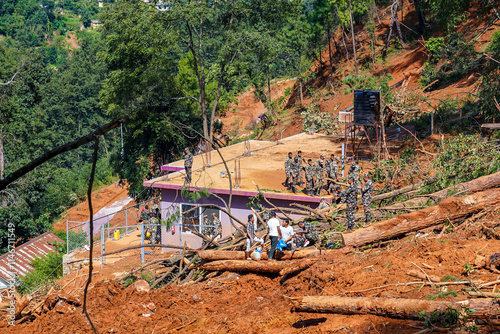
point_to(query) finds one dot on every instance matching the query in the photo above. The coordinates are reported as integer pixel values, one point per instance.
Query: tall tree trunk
(396, 20)
(2, 160)
(200, 74)
(214, 108)
(330, 70)
(269, 85)
(353, 41)
(301, 95)
(343, 42)
(420, 15)
(390, 33)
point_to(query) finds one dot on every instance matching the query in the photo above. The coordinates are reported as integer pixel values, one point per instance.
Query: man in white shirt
(287, 233)
(274, 231)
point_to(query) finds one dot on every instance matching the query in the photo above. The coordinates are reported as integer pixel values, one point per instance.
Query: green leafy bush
(47, 270)
(490, 83)
(450, 59)
(363, 81)
(316, 119)
(464, 158)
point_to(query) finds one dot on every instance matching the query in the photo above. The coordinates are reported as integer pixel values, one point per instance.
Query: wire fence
(78, 233)
(148, 233)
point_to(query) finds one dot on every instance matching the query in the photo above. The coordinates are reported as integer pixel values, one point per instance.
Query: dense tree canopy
(162, 65)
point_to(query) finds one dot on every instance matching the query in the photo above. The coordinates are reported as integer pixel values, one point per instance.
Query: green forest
(169, 68)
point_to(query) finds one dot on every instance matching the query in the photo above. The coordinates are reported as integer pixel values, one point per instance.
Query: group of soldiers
(350, 196)
(315, 173)
(328, 170)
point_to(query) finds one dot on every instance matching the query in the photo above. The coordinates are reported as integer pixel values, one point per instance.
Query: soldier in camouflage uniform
(288, 171)
(323, 204)
(319, 175)
(208, 228)
(188, 164)
(307, 234)
(295, 173)
(300, 159)
(218, 225)
(309, 177)
(354, 171)
(367, 197)
(350, 199)
(332, 172)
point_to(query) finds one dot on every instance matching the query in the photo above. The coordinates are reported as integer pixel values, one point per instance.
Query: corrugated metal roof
(25, 253)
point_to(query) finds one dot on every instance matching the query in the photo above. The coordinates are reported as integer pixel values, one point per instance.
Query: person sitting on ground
(308, 232)
(287, 233)
(274, 232)
(251, 237)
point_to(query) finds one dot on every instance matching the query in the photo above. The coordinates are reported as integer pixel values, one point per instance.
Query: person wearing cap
(309, 177)
(218, 225)
(350, 199)
(274, 231)
(367, 197)
(288, 171)
(300, 160)
(306, 235)
(319, 175)
(287, 233)
(188, 164)
(354, 171)
(206, 229)
(296, 165)
(332, 172)
(145, 214)
(251, 237)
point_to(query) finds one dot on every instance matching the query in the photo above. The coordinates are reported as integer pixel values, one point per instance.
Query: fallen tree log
(448, 210)
(392, 307)
(214, 255)
(255, 266)
(403, 190)
(479, 184)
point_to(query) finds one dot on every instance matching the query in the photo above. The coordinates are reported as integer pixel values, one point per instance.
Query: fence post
(142, 243)
(108, 226)
(67, 238)
(103, 246)
(126, 221)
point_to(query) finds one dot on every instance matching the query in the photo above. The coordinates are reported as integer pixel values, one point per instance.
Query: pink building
(251, 164)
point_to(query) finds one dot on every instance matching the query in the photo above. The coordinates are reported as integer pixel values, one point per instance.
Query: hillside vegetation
(175, 70)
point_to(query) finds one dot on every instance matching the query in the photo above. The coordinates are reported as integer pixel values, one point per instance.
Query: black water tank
(366, 106)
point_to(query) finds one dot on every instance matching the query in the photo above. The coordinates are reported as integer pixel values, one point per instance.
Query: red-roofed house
(25, 253)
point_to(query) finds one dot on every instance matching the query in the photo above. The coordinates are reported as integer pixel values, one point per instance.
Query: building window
(191, 220)
(195, 220)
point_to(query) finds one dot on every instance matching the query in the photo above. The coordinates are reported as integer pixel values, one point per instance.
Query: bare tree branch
(10, 81)
(91, 231)
(58, 150)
